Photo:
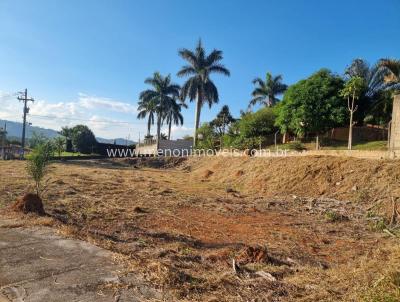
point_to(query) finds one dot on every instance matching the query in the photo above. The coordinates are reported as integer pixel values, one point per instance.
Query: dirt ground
(297, 229)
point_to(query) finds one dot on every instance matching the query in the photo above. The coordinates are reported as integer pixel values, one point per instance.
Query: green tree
(199, 86)
(252, 129)
(259, 123)
(83, 139)
(59, 144)
(173, 115)
(37, 163)
(352, 91)
(378, 78)
(312, 105)
(147, 108)
(66, 132)
(222, 121)
(265, 91)
(162, 94)
(207, 138)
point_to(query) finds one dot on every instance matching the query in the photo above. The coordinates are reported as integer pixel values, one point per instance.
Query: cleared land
(299, 229)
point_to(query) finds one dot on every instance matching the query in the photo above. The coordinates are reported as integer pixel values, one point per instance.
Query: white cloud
(93, 102)
(107, 117)
(96, 112)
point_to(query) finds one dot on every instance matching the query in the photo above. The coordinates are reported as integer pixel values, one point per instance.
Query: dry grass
(181, 227)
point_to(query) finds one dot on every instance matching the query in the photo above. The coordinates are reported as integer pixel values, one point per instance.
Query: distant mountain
(118, 141)
(14, 129)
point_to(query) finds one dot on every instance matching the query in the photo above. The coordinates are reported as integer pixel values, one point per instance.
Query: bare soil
(29, 203)
(299, 229)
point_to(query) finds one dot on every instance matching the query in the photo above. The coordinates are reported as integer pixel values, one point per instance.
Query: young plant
(37, 163)
(352, 91)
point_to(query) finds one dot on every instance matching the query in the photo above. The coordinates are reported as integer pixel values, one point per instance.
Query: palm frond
(186, 71)
(189, 56)
(219, 68)
(214, 57)
(211, 93)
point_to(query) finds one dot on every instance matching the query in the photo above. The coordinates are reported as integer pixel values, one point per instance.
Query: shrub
(250, 131)
(297, 146)
(38, 161)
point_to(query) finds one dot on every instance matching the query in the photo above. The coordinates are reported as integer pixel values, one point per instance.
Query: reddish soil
(307, 223)
(29, 203)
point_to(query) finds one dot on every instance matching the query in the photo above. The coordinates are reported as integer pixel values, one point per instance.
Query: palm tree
(372, 76)
(59, 144)
(392, 68)
(265, 91)
(147, 108)
(162, 94)
(380, 78)
(173, 115)
(199, 86)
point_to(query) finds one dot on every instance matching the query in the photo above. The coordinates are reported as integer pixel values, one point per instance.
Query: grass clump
(332, 216)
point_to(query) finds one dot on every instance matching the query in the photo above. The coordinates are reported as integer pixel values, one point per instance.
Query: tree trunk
(158, 128)
(148, 127)
(169, 129)
(350, 143)
(270, 101)
(284, 137)
(197, 118)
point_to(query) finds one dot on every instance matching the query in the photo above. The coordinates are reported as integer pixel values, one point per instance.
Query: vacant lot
(299, 229)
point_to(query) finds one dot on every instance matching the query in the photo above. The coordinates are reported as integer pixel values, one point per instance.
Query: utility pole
(25, 99)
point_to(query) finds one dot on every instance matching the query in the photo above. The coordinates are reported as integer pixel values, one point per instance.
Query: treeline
(310, 107)
(78, 139)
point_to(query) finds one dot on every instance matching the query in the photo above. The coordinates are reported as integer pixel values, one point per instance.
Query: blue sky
(88, 59)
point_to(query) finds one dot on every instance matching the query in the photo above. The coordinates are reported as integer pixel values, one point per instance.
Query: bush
(249, 132)
(207, 137)
(297, 146)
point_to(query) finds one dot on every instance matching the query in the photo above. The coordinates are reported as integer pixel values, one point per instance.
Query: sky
(86, 61)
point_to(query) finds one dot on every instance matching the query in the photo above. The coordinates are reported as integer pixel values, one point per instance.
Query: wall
(169, 147)
(360, 134)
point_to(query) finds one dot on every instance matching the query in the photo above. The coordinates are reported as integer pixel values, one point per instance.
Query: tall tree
(59, 144)
(379, 79)
(83, 139)
(266, 91)
(173, 115)
(313, 105)
(222, 121)
(199, 86)
(162, 93)
(67, 133)
(147, 108)
(352, 91)
(373, 76)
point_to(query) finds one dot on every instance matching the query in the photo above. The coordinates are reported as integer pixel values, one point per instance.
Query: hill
(14, 130)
